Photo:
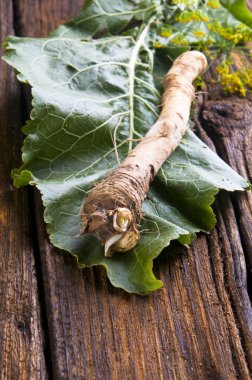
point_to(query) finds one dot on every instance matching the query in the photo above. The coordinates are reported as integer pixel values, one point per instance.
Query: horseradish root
(112, 210)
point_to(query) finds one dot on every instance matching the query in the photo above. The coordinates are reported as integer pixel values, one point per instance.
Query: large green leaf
(89, 97)
(107, 17)
(239, 9)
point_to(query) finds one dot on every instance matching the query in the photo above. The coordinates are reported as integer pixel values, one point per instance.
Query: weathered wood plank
(198, 326)
(21, 335)
(229, 124)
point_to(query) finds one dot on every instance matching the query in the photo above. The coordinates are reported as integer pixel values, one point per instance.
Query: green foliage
(239, 10)
(90, 96)
(211, 27)
(208, 21)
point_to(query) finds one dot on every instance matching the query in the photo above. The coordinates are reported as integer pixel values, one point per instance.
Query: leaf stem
(132, 66)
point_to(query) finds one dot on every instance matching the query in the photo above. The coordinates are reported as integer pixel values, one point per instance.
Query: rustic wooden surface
(21, 334)
(57, 321)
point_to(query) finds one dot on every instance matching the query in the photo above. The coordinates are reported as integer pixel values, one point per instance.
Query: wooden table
(57, 321)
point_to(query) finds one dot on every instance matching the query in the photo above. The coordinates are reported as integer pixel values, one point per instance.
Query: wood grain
(198, 326)
(21, 335)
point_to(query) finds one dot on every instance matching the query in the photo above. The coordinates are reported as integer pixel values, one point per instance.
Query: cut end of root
(114, 227)
(121, 242)
(122, 219)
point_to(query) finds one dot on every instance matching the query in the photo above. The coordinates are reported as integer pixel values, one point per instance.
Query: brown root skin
(112, 210)
(116, 200)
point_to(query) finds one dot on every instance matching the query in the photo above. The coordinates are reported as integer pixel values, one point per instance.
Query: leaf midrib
(132, 78)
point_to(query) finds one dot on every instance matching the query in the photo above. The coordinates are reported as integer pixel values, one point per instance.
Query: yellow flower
(242, 92)
(157, 45)
(238, 34)
(214, 4)
(166, 32)
(199, 34)
(188, 3)
(180, 40)
(199, 83)
(236, 82)
(195, 15)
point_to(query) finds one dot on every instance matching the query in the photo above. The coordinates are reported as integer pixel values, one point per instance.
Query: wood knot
(224, 117)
